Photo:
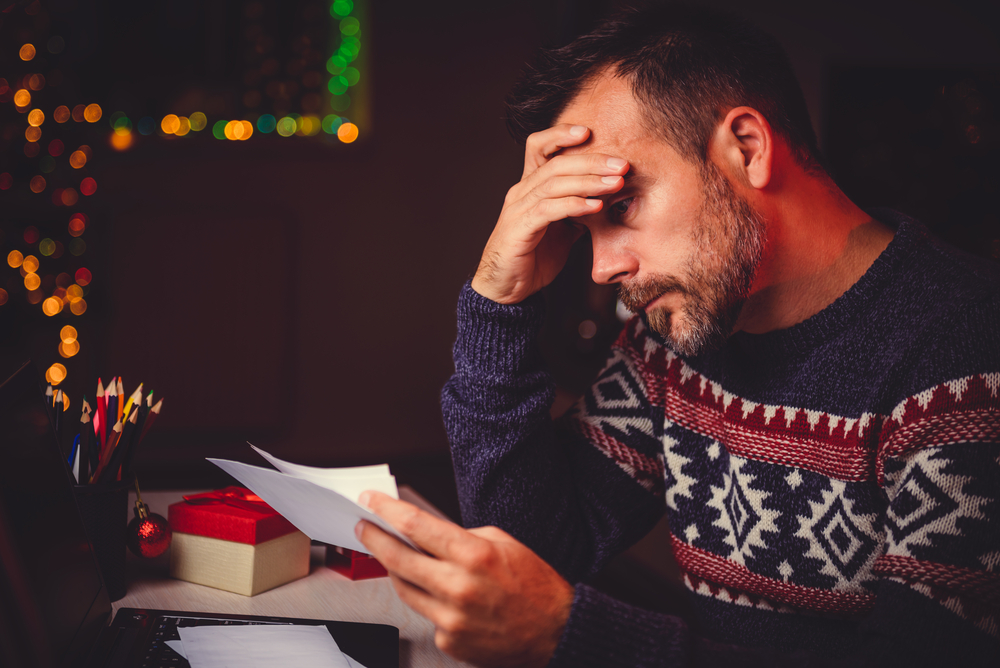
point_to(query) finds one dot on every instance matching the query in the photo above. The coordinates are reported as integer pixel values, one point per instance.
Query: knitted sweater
(832, 489)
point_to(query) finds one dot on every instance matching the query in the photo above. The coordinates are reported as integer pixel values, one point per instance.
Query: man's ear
(744, 141)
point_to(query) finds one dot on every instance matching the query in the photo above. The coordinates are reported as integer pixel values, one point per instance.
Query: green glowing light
(287, 126)
(198, 121)
(267, 123)
(335, 65)
(114, 119)
(350, 26)
(46, 247)
(352, 75)
(219, 130)
(122, 122)
(340, 102)
(338, 85)
(331, 123)
(341, 8)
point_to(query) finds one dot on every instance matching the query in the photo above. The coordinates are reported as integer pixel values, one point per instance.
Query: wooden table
(323, 594)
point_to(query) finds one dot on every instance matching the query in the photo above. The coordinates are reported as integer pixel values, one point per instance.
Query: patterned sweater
(832, 489)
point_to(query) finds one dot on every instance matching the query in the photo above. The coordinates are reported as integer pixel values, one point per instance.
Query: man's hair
(687, 66)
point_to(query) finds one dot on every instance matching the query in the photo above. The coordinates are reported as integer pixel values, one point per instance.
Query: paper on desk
(318, 512)
(178, 646)
(347, 481)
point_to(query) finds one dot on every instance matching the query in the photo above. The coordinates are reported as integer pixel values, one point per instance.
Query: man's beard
(729, 241)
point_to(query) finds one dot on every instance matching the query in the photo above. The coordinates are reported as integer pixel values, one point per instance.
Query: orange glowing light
(67, 350)
(183, 126)
(87, 152)
(36, 117)
(92, 113)
(36, 82)
(14, 259)
(37, 184)
(247, 130)
(170, 124)
(88, 186)
(61, 114)
(121, 142)
(78, 306)
(52, 306)
(30, 264)
(3, 296)
(68, 334)
(83, 276)
(76, 225)
(33, 134)
(347, 132)
(69, 197)
(32, 282)
(56, 373)
(230, 130)
(74, 292)
(77, 159)
(78, 113)
(27, 52)
(22, 98)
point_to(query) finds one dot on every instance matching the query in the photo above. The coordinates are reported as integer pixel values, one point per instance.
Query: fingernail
(593, 202)
(358, 529)
(610, 180)
(616, 163)
(578, 130)
(364, 498)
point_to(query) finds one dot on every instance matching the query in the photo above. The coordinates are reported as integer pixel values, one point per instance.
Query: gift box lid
(232, 513)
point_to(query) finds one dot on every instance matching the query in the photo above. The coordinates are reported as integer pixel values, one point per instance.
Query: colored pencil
(84, 442)
(129, 443)
(121, 398)
(57, 410)
(134, 399)
(101, 416)
(101, 475)
(111, 396)
(150, 419)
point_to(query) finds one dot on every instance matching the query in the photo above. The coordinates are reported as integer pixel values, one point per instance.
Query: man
(809, 391)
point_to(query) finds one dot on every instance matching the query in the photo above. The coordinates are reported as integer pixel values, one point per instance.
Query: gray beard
(731, 233)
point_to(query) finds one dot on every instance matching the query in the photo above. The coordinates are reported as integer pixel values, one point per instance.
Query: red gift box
(355, 565)
(232, 513)
(230, 539)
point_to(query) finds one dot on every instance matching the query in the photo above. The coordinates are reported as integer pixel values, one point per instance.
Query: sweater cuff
(497, 338)
(602, 631)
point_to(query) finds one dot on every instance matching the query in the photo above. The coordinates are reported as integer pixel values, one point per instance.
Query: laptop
(54, 609)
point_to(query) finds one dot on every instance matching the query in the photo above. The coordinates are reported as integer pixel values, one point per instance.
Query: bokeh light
(341, 8)
(36, 82)
(36, 117)
(56, 148)
(198, 121)
(83, 276)
(77, 159)
(88, 186)
(46, 247)
(183, 126)
(78, 247)
(349, 26)
(63, 279)
(31, 236)
(69, 197)
(170, 124)
(27, 52)
(87, 152)
(32, 281)
(77, 224)
(347, 132)
(68, 334)
(32, 149)
(78, 306)
(30, 264)
(338, 84)
(332, 123)
(37, 184)
(74, 292)
(6, 181)
(247, 130)
(61, 114)
(67, 350)
(55, 374)
(266, 123)
(33, 133)
(121, 142)
(92, 113)
(147, 125)
(52, 306)
(22, 98)
(78, 113)
(3, 296)
(219, 129)
(14, 259)
(287, 126)
(47, 164)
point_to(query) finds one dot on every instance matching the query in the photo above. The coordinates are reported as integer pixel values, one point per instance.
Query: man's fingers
(540, 146)
(436, 536)
(579, 186)
(402, 560)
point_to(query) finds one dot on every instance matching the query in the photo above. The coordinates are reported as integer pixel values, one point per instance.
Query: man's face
(682, 244)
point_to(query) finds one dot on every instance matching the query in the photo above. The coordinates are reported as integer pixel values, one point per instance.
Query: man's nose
(613, 262)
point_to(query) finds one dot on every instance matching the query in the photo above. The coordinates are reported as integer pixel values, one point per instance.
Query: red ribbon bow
(237, 497)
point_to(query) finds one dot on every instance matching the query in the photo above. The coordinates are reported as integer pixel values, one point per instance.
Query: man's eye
(621, 207)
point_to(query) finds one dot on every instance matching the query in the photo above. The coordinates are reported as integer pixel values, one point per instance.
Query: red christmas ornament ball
(148, 534)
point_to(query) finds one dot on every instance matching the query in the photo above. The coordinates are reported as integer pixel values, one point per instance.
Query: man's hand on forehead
(525, 251)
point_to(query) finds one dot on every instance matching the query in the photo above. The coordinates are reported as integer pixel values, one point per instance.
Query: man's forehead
(607, 107)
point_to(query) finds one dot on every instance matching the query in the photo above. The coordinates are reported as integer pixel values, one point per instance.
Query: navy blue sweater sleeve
(517, 469)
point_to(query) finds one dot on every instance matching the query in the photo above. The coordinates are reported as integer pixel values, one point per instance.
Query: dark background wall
(302, 296)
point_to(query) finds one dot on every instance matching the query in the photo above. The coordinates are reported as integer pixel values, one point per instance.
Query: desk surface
(323, 594)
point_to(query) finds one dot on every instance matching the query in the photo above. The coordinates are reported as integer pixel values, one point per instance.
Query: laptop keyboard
(160, 655)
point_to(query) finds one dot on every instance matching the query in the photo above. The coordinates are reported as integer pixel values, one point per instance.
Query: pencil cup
(104, 508)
